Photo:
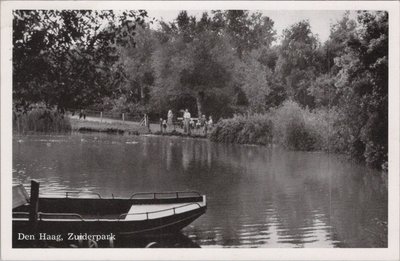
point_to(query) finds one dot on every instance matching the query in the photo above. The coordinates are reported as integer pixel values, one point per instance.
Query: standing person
(186, 119)
(192, 124)
(210, 122)
(198, 123)
(164, 124)
(82, 114)
(203, 124)
(170, 118)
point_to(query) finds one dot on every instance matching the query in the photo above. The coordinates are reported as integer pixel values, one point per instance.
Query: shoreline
(134, 129)
(121, 128)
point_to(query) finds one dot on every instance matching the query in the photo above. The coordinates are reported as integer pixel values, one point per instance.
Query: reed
(298, 128)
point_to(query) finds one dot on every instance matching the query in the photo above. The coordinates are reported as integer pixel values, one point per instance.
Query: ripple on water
(131, 142)
(256, 199)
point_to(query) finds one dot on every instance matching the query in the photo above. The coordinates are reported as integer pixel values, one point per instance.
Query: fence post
(101, 116)
(34, 204)
(147, 122)
(123, 116)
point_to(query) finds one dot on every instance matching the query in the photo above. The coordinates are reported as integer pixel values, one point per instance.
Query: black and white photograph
(194, 127)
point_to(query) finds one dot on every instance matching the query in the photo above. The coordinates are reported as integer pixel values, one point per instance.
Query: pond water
(257, 196)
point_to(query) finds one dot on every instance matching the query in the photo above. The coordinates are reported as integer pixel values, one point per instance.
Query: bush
(289, 125)
(244, 129)
(298, 129)
(298, 137)
(41, 120)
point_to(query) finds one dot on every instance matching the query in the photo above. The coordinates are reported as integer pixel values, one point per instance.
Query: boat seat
(152, 211)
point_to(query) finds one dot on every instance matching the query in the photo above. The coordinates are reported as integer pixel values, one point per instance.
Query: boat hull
(70, 218)
(151, 227)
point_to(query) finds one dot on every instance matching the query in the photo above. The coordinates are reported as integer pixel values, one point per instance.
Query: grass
(107, 127)
(180, 134)
(128, 127)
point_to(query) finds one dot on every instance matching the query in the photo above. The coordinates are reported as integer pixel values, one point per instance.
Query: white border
(390, 253)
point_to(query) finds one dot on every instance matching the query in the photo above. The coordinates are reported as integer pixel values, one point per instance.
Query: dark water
(257, 196)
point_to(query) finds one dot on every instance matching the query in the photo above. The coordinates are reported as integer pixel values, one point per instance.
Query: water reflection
(257, 196)
(178, 240)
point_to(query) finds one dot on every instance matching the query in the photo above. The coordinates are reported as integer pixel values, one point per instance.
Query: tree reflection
(257, 196)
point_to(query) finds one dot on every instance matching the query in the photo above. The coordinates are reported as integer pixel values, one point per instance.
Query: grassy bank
(107, 127)
(48, 121)
(132, 128)
(40, 120)
(180, 134)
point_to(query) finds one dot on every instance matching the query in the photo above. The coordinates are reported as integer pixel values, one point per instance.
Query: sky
(320, 20)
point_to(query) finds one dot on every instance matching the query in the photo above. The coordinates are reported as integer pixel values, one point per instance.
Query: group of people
(188, 123)
(169, 122)
(202, 123)
(82, 114)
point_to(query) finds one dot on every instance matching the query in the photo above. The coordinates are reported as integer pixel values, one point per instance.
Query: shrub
(289, 125)
(297, 128)
(244, 129)
(298, 137)
(41, 120)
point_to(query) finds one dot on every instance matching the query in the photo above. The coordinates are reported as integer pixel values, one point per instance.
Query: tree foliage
(221, 63)
(67, 59)
(363, 82)
(210, 56)
(297, 65)
(247, 31)
(136, 61)
(195, 61)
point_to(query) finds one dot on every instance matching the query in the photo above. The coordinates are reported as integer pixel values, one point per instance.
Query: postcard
(224, 130)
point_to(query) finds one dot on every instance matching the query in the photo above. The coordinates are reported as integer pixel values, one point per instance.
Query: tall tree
(67, 59)
(323, 88)
(335, 46)
(196, 61)
(297, 61)
(247, 31)
(137, 63)
(261, 87)
(363, 81)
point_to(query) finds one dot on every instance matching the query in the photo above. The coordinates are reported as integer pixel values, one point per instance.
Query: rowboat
(141, 214)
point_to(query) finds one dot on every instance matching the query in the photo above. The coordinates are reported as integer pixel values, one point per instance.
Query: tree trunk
(141, 92)
(199, 101)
